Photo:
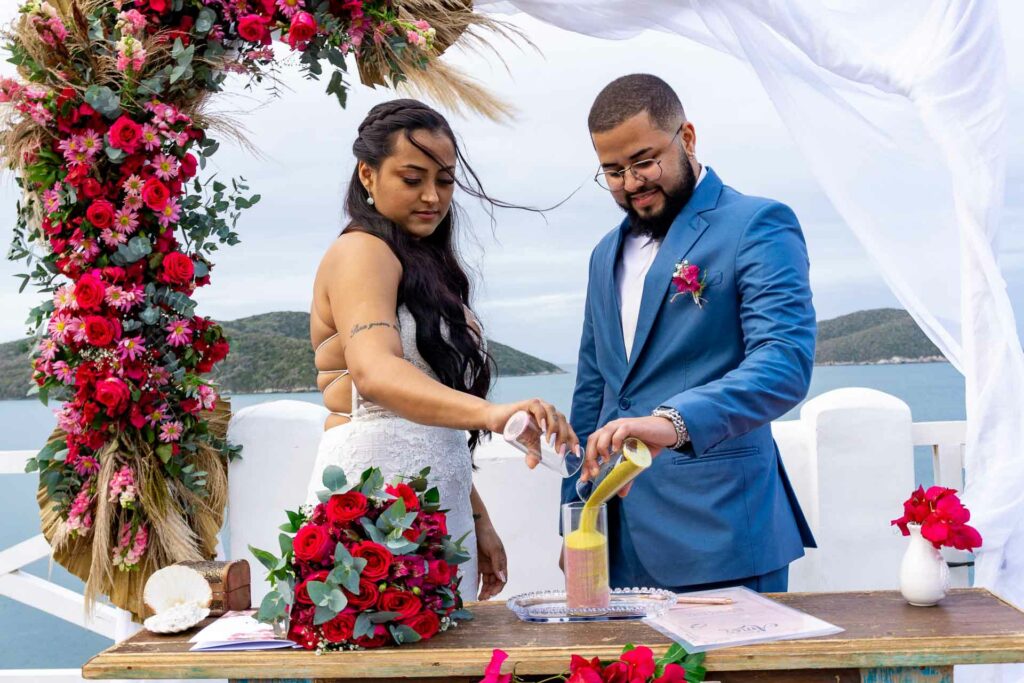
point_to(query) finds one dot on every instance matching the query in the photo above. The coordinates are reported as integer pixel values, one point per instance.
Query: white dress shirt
(638, 253)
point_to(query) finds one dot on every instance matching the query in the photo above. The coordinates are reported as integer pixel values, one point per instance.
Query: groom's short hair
(627, 96)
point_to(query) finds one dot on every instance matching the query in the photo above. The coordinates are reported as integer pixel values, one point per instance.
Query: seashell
(177, 618)
(176, 585)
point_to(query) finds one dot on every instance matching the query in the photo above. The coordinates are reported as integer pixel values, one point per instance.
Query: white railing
(39, 593)
(947, 439)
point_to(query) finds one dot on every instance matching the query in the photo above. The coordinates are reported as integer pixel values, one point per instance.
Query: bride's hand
(491, 561)
(550, 419)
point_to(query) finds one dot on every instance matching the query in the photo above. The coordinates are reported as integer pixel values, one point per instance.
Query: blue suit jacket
(723, 508)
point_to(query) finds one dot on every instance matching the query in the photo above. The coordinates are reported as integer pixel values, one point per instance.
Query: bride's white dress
(376, 437)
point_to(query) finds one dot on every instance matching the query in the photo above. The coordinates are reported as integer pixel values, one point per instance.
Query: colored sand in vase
(586, 570)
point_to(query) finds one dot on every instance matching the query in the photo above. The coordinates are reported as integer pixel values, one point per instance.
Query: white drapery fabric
(900, 110)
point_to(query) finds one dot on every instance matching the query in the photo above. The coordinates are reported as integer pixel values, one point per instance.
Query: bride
(402, 360)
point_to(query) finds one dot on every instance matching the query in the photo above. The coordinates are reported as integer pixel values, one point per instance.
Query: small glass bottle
(523, 432)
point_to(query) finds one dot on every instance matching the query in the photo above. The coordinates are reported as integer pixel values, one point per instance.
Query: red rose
(367, 597)
(189, 166)
(125, 134)
(312, 543)
(302, 30)
(99, 331)
(303, 634)
(405, 492)
(159, 6)
(439, 572)
(302, 590)
(378, 559)
(339, 629)
(253, 28)
(426, 624)
(114, 394)
(178, 269)
(346, 507)
(89, 292)
(405, 603)
(91, 188)
(155, 194)
(101, 214)
(436, 523)
(380, 638)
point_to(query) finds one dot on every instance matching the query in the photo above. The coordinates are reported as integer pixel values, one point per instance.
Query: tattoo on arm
(356, 329)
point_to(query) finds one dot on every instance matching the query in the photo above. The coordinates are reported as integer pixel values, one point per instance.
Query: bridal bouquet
(942, 518)
(370, 565)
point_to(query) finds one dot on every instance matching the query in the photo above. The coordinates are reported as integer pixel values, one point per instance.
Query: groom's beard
(656, 226)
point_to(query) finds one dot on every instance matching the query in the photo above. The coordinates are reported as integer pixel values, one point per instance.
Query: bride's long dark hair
(434, 285)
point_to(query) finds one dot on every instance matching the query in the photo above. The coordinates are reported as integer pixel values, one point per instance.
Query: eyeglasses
(645, 170)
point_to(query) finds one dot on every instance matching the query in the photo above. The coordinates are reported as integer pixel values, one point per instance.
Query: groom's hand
(656, 432)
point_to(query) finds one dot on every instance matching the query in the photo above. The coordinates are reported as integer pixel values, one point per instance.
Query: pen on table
(702, 600)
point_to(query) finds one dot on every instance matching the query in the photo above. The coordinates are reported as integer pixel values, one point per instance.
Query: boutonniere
(687, 280)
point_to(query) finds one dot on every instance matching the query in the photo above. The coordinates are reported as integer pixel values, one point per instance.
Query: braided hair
(434, 285)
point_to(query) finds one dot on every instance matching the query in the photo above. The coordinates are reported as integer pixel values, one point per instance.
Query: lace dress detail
(376, 437)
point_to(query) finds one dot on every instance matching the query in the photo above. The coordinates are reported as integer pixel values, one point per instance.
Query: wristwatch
(671, 414)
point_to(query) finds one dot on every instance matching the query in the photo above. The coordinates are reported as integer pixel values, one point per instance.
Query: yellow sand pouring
(586, 547)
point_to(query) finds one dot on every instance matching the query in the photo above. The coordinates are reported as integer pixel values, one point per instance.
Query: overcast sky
(532, 270)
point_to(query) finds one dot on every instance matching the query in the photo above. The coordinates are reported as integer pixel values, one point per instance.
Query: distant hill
(269, 353)
(881, 335)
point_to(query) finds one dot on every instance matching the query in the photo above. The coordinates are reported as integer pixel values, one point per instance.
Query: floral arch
(107, 133)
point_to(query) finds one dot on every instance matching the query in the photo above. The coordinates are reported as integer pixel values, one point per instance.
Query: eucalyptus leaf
(319, 592)
(323, 615)
(151, 86)
(372, 531)
(286, 591)
(381, 617)
(337, 600)
(334, 478)
(363, 627)
(342, 555)
(345, 576)
(272, 609)
(205, 21)
(104, 100)
(150, 315)
(404, 634)
(462, 615)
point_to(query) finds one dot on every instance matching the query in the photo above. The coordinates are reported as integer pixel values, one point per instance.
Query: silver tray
(625, 604)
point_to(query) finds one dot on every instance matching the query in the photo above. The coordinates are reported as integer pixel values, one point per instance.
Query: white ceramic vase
(924, 575)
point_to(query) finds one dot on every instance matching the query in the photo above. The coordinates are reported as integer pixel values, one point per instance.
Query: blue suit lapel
(685, 231)
(613, 307)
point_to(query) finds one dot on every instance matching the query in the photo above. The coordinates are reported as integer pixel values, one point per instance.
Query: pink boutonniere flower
(687, 280)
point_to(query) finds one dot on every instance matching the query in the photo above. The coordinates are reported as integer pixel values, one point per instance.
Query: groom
(698, 332)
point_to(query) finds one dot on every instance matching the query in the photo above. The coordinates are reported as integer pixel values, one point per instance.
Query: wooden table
(886, 640)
